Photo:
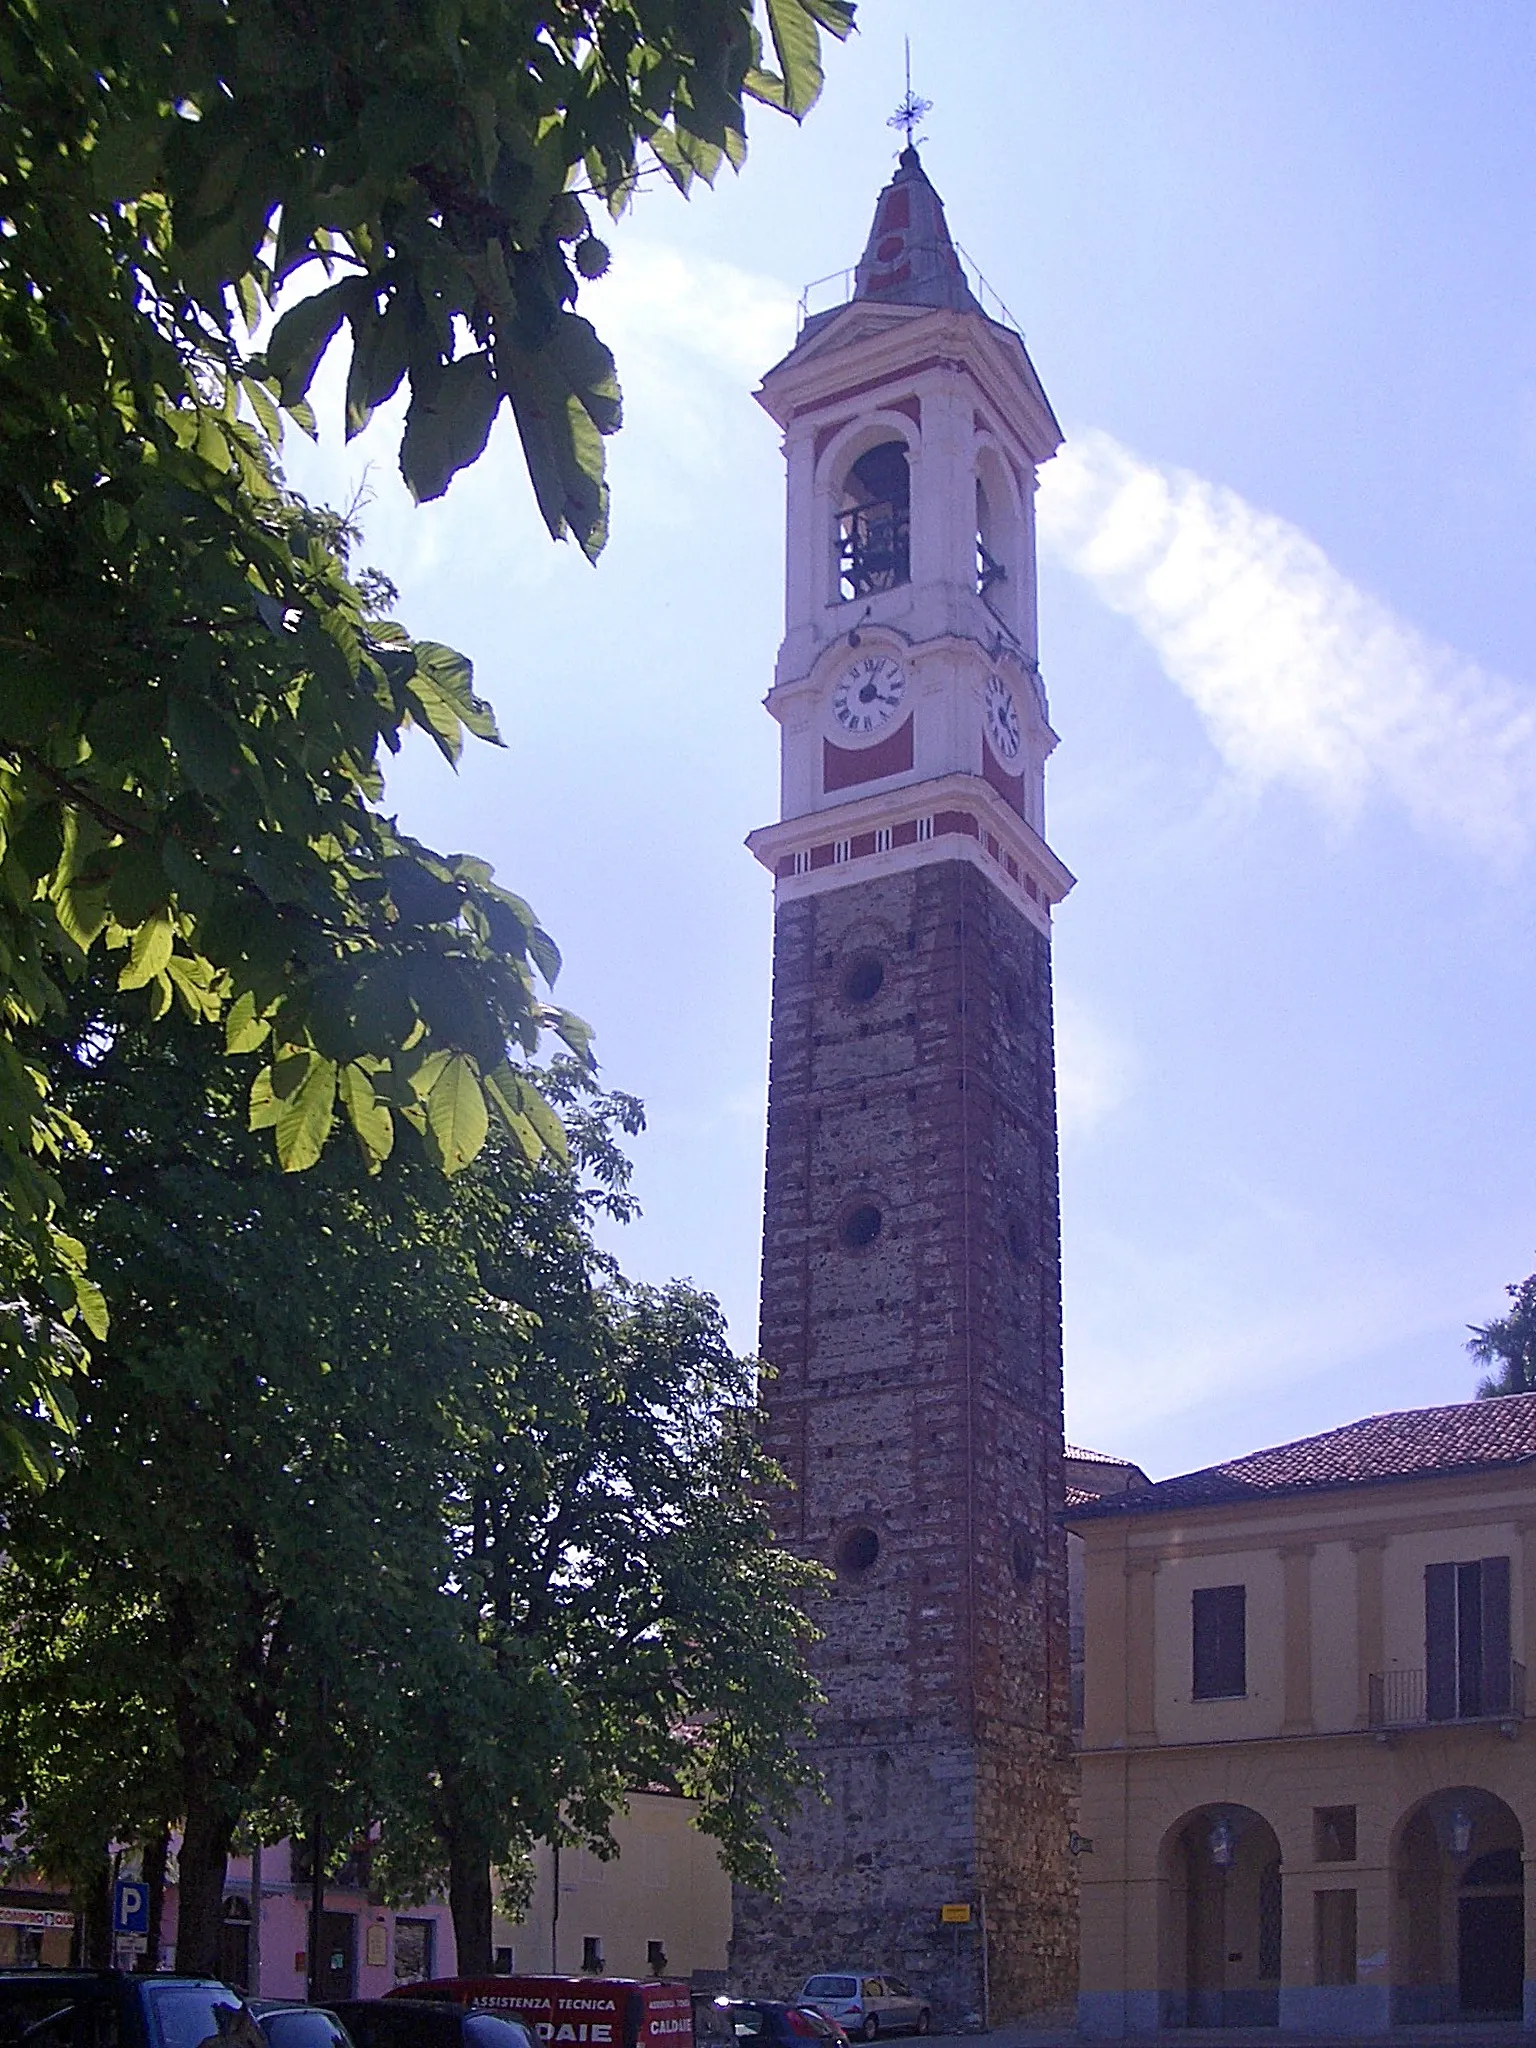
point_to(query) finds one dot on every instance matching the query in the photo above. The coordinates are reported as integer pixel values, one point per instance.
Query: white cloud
(1300, 676)
(1094, 1069)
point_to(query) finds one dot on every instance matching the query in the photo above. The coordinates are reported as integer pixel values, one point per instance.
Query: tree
(255, 1501)
(409, 1437)
(617, 1597)
(195, 693)
(1509, 1343)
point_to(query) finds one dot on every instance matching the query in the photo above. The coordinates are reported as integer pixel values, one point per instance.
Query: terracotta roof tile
(1417, 1443)
(1080, 1497)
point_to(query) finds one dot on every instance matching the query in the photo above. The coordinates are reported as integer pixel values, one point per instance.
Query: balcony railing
(1398, 1699)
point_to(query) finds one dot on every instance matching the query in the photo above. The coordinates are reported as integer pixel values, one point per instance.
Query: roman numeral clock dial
(868, 694)
(1003, 727)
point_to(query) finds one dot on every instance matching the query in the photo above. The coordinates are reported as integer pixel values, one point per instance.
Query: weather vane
(912, 109)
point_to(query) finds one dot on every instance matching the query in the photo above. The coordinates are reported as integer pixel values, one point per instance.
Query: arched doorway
(1221, 1941)
(1460, 1906)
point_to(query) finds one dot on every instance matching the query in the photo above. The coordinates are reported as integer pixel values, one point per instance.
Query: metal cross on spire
(912, 109)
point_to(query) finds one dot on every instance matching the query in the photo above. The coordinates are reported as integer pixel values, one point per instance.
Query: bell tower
(911, 1266)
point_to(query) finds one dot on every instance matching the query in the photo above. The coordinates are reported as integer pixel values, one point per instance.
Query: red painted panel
(844, 767)
(1009, 787)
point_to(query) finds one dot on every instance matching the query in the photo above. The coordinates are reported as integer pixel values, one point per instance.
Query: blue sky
(1275, 265)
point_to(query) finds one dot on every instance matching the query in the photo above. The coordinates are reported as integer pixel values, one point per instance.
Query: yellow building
(662, 1906)
(1306, 1777)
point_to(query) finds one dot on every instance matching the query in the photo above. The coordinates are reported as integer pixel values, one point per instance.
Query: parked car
(426, 2023)
(289, 2023)
(867, 2005)
(727, 2022)
(587, 2012)
(112, 2009)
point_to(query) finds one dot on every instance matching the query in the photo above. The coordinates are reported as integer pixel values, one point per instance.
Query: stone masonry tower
(911, 1268)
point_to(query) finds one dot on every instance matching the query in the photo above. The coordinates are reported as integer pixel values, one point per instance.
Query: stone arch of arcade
(1220, 1921)
(1457, 1901)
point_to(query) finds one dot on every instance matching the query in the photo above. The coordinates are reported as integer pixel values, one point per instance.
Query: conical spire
(909, 259)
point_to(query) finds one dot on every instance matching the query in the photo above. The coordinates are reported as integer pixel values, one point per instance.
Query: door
(337, 1976)
(1491, 1958)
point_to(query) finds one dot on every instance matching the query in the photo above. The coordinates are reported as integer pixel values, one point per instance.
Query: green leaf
(81, 911)
(305, 332)
(519, 1100)
(454, 676)
(264, 1103)
(798, 48)
(370, 1118)
(447, 428)
(92, 1306)
(457, 1120)
(245, 1029)
(304, 1118)
(138, 887)
(150, 951)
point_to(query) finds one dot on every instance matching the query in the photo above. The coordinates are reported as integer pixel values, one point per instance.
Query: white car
(866, 2006)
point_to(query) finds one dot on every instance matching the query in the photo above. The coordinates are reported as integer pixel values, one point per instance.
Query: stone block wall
(918, 1403)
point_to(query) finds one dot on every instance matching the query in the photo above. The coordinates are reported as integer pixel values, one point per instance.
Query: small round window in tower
(1021, 1555)
(856, 1552)
(861, 1226)
(863, 978)
(1018, 1239)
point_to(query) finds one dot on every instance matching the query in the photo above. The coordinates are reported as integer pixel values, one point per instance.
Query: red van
(576, 2012)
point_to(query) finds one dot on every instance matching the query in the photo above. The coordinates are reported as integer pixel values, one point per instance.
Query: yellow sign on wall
(955, 1916)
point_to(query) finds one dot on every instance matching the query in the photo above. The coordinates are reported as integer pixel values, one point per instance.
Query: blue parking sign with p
(130, 1907)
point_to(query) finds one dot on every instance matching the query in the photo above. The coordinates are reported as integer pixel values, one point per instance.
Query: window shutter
(1495, 1619)
(1220, 1642)
(1469, 1640)
(1440, 1642)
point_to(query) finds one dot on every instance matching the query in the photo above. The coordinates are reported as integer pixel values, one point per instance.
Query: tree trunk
(91, 1898)
(210, 1827)
(469, 1896)
(156, 1852)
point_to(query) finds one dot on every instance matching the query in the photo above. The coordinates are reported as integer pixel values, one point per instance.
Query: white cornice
(861, 816)
(994, 358)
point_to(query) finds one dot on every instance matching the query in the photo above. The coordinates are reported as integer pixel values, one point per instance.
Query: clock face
(1003, 727)
(868, 693)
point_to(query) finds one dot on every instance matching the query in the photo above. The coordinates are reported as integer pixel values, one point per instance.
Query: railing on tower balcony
(1399, 1699)
(873, 543)
(825, 294)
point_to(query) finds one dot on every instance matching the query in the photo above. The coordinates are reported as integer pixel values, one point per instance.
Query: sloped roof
(909, 259)
(1416, 1443)
(1084, 1457)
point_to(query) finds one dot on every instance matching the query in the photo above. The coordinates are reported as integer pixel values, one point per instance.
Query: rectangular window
(1334, 1920)
(882, 839)
(1466, 1640)
(841, 850)
(925, 828)
(413, 1951)
(1333, 1834)
(803, 861)
(1220, 1642)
